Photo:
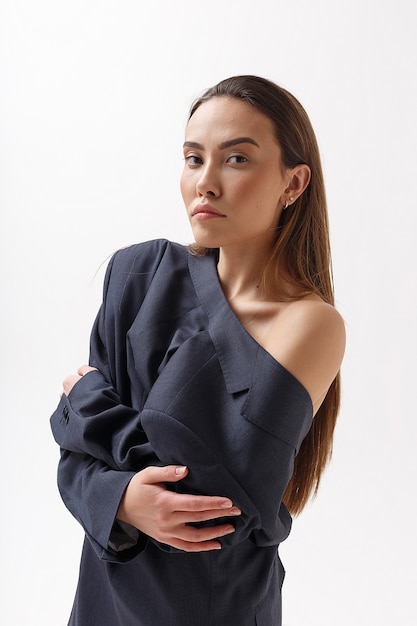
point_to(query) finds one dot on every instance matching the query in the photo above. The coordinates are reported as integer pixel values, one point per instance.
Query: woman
(190, 438)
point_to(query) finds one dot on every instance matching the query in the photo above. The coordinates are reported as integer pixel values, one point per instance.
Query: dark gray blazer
(180, 382)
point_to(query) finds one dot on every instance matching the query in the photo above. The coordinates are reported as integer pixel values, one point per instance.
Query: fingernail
(227, 504)
(180, 470)
(229, 529)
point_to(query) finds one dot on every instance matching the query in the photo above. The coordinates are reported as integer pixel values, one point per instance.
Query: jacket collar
(237, 350)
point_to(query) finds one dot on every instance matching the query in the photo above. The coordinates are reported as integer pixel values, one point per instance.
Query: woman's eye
(192, 159)
(237, 158)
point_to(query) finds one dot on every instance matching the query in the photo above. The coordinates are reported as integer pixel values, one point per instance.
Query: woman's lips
(206, 212)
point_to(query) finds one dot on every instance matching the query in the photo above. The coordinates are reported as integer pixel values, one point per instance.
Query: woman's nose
(207, 184)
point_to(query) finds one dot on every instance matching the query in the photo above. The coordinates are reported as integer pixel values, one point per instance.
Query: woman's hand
(164, 515)
(70, 380)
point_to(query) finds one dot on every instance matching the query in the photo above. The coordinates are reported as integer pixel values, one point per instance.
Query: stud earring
(287, 204)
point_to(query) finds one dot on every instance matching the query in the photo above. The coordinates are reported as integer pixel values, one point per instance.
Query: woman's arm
(98, 496)
(159, 513)
(103, 452)
(100, 445)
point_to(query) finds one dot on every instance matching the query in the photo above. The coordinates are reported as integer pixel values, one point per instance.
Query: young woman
(206, 415)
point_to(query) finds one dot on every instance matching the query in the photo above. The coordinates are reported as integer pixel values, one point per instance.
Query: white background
(94, 96)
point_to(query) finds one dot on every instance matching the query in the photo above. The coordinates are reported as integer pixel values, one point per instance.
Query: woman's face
(233, 181)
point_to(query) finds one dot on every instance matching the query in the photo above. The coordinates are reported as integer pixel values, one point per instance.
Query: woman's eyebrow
(235, 142)
(224, 144)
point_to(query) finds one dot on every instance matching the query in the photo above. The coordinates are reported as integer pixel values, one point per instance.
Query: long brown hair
(301, 252)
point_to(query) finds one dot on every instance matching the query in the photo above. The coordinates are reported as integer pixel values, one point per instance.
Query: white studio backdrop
(94, 97)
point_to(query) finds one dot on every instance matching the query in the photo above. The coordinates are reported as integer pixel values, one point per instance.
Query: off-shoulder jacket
(179, 381)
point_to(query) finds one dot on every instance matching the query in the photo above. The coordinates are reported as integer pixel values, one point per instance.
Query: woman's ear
(300, 177)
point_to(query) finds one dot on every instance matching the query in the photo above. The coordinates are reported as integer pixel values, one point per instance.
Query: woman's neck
(240, 273)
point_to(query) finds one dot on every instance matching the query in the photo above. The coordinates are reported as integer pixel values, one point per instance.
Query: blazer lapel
(236, 349)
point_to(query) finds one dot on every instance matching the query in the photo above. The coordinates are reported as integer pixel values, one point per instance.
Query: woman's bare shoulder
(308, 339)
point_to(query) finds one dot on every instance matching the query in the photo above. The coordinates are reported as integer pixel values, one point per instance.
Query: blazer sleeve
(94, 429)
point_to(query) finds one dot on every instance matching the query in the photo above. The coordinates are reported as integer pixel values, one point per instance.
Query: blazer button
(65, 413)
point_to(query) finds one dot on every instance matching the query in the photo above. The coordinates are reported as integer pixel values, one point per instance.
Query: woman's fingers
(195, 517)
(198, 539)
(201, 535)
(84, 369)
(69, 382)
(191, 539)
(218, 506)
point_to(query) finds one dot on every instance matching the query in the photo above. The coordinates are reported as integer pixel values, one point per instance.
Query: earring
(287, 204)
